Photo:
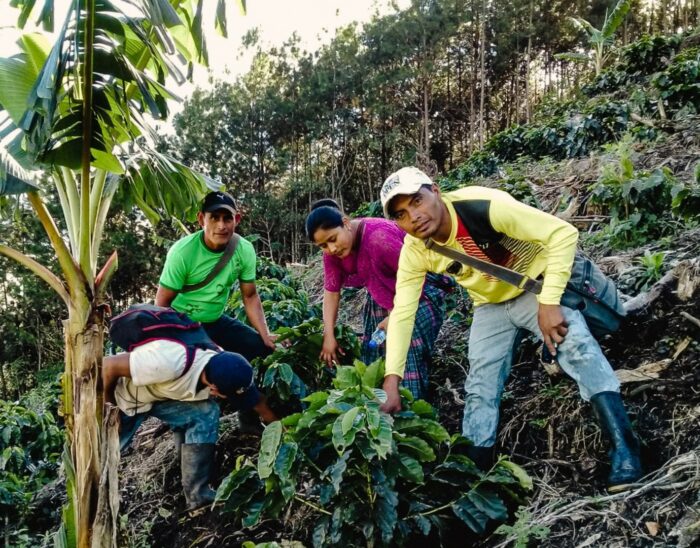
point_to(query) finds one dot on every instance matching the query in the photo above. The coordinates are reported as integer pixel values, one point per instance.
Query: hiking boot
(625, 467)
(196, 463)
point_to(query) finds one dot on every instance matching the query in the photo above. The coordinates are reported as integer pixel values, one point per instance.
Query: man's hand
(330, 350)
(270, 341)
(113, 367)
(552, 325)
(393, 400)
(262, 409)
(383, 324)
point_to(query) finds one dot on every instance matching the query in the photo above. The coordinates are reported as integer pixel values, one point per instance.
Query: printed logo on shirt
(498, 254)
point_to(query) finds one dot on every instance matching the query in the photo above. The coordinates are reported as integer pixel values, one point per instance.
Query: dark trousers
(235, 336)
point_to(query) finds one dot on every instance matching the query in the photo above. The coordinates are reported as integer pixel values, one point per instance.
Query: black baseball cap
(218, 200)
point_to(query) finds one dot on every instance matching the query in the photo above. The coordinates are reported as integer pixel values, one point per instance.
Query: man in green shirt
(189, 262)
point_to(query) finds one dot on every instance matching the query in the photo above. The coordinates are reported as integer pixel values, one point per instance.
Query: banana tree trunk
(85, 432)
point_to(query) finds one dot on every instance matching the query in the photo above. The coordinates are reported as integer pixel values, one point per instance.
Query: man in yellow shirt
(491, 225)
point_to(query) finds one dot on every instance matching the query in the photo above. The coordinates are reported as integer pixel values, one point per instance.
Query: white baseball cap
(406, 181)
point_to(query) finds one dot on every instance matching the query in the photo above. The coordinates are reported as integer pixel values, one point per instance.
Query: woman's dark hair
(325, 214)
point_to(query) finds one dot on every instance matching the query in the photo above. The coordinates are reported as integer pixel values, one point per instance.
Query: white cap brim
(406, 181)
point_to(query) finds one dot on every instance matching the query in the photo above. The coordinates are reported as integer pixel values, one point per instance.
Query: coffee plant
(353, 475)
(679, 85)
(295, 369)
(30, 446)
(284, 303)
(643, 205)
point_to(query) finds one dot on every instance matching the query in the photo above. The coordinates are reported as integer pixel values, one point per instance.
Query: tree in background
(78, 111)
(599, 40)
(426, 85)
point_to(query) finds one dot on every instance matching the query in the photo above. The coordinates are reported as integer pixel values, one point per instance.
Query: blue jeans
(198, 419)
(492, 338)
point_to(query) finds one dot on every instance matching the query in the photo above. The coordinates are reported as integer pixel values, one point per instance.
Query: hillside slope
(621, 162)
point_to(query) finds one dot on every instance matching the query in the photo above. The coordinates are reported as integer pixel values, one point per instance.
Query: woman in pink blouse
(364, 252)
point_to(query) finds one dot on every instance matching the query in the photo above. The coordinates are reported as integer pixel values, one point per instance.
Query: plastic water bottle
(378, 338)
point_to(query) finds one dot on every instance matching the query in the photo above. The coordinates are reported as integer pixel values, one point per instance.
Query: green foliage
(648, 270)
(608, 81)
(30, 445)
(649, 54)
(285, 304)
(523, 531)
(679, 85)
(266, 268)
(368, 478)
(642, 204)
(291, 371)
(369, 209)
(479, 164)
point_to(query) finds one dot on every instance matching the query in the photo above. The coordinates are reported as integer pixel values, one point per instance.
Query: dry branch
(679, 474)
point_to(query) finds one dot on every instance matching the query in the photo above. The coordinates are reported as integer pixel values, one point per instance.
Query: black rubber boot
(625, 467)
(483, 457)
(196, 463)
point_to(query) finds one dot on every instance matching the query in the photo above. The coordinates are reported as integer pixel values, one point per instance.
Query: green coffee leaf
(334, 473)
(385, 509)
(424, 427)
(343, 437)
(268, 448)
(489, 503)
(382, 441)
(521, 475)
(411, 469)
(285, 459)
(416, 447)
(373, 376)
(348, 420)
(474, 518)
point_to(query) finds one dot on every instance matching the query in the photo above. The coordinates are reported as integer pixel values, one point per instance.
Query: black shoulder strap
(501, 272)
(218, 267)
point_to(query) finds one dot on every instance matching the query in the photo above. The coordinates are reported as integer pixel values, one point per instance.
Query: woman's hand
(383, 324)
(330, 350)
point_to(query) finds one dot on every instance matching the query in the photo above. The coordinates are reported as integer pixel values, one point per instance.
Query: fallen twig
(690, 318)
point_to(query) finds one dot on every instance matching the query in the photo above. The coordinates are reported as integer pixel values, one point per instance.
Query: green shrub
(284, 304)
(294, 370)
(369, 209)
(648, 55)
(679, 85)
(606, 82)
(639, 203)
(365, 477)
(30, 446)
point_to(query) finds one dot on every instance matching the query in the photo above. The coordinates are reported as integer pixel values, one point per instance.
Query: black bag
(595, 295)
(143, 323)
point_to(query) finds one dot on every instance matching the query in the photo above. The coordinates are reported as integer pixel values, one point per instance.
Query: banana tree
(75, 116)
(599, 40)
